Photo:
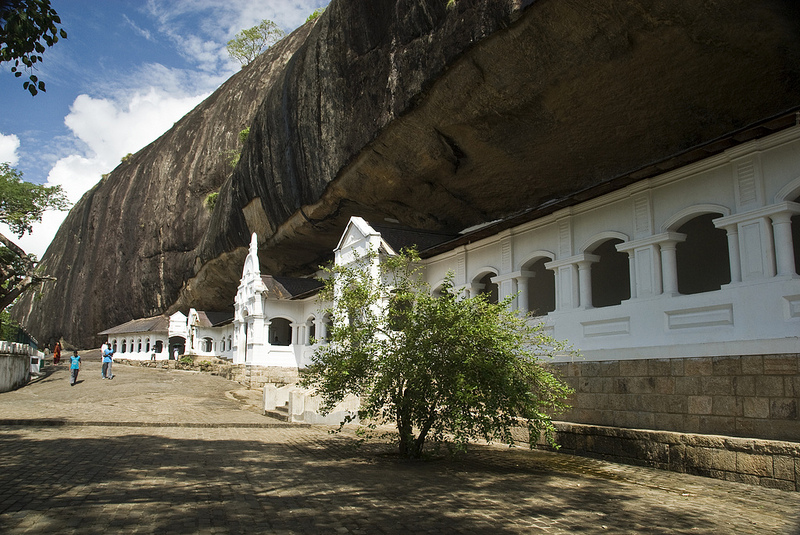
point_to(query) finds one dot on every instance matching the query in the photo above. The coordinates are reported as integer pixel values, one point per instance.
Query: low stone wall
(767, 463)
(253, 377)
(745, 396)
(15, 371)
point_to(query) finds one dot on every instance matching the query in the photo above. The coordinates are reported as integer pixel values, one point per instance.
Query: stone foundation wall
(740, 396)
(767, 463)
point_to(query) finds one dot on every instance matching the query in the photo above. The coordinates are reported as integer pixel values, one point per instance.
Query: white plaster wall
(135, 354)
(759, 315)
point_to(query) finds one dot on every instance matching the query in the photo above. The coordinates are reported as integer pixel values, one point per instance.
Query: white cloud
(200, 29)
(109, 130)
(131, 109)
(8, 149)
(141, 31)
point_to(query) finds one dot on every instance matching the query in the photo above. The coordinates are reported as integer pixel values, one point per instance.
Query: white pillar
(632, 271)
(522, 294)
(784, 246)
(474, 289)
(669, 267)
(319, 329)
(585, 283)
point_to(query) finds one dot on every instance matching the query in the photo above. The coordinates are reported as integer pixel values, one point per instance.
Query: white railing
(13, 348)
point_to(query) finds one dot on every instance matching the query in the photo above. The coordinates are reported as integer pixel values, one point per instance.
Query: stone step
(279, 413)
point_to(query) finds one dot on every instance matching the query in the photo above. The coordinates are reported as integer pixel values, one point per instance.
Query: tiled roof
(401, 237)
(214, 319)
(153, 324)
(290, 287)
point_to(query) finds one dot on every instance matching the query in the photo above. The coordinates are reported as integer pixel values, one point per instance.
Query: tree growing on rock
(22, 204)
(249, 43)
(443, 368)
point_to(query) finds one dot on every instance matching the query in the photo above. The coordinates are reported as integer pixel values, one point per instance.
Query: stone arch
(311, 329)
(789, 192)
(703, 259)
(177, 346)
(483, 285)
(690, 212)
(611, 276)
(540, 283)
(436, 289)
(598, 239)
(280, 331)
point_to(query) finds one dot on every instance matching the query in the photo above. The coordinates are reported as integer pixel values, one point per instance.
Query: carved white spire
(254, 244)
(252, 270)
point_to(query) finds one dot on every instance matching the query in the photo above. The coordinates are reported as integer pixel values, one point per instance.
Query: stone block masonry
(752, 396)
(735, 417)
(767, 463)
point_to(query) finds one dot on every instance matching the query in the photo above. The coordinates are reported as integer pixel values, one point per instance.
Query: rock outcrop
(438, 114)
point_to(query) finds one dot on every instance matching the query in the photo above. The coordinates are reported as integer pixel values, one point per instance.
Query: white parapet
(305, 406)
(13, 348)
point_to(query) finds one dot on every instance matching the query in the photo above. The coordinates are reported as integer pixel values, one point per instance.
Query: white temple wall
(756, 312)
(138, 346)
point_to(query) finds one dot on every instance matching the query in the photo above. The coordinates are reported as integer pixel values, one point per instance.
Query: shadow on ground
(139, 482)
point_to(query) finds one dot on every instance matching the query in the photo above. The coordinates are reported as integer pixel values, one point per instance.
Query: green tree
(441, 368)
(27, 27)
(22, 204)
(248, 44)
(315, 14)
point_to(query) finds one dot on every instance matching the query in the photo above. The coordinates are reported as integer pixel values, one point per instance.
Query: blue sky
(128, 70)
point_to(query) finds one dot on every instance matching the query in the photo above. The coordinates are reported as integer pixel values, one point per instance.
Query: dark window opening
(611, 277)
(312, 331)
(541, 288)
(490, 289)
(703, 260)
(280, 332)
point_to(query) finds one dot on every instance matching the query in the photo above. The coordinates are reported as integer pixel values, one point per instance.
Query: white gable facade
(271, 327)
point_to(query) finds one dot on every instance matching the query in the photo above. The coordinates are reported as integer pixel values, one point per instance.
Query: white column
(321, 331)
(295, 338)
(669, 267)
(522, 294)
(585, 283)
(784, 246)
(474, 289)
(632, 271)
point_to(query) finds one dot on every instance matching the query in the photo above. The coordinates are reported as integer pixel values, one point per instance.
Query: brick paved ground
(156, 451)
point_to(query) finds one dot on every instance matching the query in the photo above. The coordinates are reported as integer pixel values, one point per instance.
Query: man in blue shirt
(108, 359)
(74, 368)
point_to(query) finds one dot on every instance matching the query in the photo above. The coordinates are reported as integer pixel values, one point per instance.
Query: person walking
(108, 360)
(74, 368)
(57, 352)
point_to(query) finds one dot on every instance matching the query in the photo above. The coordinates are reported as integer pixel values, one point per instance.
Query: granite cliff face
(439, 117)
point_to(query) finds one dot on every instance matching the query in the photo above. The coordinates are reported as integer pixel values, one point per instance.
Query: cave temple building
(694, 267)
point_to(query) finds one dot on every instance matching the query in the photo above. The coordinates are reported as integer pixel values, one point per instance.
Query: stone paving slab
(158, 476)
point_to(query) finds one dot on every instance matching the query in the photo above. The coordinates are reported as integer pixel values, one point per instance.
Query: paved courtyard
(160, 451)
